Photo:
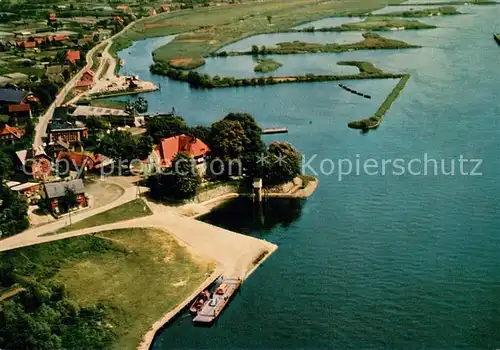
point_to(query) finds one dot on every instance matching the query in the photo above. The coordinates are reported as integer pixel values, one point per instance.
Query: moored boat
(198, 303)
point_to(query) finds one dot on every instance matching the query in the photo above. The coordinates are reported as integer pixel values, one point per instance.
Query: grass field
(137, 274)
(130, 210)
(208, 29)
(108, 103)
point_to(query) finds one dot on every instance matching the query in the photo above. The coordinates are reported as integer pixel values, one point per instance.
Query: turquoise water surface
(382, 260)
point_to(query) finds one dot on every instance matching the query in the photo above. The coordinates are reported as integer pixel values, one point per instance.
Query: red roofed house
(164, 8)
(119, 19)
(34, 162)
(59, 38)
(86, 80)
(165, 152)
(73, 56)
(80, 161)
(10, 134)
(52, 17)
(26, 44)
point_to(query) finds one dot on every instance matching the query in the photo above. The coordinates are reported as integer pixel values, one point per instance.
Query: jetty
(274, 131)
(214, 307)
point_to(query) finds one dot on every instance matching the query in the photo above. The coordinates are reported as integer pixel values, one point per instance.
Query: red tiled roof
(19, 108)
(80, 159)
(10, 130)
(52, 16)
(122, 7)
(60, 38)
(188, 145)
(39, 40)
(73, 56)
(27, 44)
(164, 8)
(119, 19)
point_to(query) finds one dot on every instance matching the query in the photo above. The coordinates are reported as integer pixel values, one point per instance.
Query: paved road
(43, 120)
(31, 236)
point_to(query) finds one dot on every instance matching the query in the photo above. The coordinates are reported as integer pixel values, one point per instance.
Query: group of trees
(122, 145)
(13, 207)
(42, 317)
(13, 212)
(236, 149)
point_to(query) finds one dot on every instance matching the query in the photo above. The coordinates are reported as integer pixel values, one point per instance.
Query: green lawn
(108, 103)
(130, 210)
(137, 274)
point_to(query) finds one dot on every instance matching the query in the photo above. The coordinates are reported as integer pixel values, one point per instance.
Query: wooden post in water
(257, 189)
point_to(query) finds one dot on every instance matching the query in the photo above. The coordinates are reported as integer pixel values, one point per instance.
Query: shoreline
(171, 315)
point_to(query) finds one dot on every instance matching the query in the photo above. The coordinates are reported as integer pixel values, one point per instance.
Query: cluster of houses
(52, 191)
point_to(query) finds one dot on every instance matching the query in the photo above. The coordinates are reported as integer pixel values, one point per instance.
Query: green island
(372, 41)
(437, 11)
(363, 66)
(374, 121)
(267, 65)
(95, 292)
(373, 23)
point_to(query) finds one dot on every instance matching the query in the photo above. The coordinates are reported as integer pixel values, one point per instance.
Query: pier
(274, 131)
(214, 307)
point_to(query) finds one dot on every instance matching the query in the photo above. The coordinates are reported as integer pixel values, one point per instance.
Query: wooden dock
(274, 131)
(214, 307)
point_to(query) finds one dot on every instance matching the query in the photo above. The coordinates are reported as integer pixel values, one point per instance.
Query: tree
(165, 126)
(253, 145)
(118, 145)
(227, 142)
(282, 164)
(184, 179)
(68, 201)
(255, 50)
(269, 19)
(180, 182)
(5, 167)
(227, 139)
(13, 212)
(200, 132)
(60, 56)
(144, 146)
(94, 124)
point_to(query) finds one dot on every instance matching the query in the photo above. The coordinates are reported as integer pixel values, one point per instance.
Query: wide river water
(370, 260)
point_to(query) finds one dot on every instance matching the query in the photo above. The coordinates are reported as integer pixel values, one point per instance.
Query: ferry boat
(199, 302)
(497, 38)
(211, 310)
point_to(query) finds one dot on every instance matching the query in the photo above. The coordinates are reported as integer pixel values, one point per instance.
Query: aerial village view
(263, 174)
